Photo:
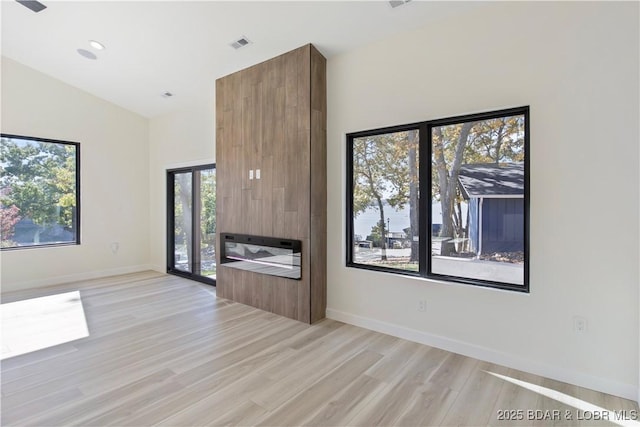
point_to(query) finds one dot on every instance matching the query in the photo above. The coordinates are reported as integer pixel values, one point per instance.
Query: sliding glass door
(191, 222)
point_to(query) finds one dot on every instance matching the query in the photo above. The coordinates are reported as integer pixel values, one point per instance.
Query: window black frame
(420, 127)
(425, 129)
(76, 145)
(171, 262)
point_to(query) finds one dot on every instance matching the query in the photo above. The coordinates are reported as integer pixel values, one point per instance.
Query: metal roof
(492, 180)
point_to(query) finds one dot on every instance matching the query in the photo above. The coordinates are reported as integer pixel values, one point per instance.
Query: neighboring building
(495, 193)
(26, 233)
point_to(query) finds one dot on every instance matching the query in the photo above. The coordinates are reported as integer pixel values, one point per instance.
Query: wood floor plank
(163, 350)
(134, 363)
(397, 359)
(480, 392)
(210, 388)
(388, 405)
(245, 414)
(290, 380)
(428, 406)
(21, 410)
(305, 404)
(515, 403)
(342, 408)
(84, 411)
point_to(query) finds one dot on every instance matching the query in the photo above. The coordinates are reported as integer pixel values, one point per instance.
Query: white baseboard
(158, 268)
(56, 280)
(627, 391)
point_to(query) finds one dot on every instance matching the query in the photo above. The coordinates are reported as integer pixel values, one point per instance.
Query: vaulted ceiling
(182, 46)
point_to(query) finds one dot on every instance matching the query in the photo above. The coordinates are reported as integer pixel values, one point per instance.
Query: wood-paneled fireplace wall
(272, 117)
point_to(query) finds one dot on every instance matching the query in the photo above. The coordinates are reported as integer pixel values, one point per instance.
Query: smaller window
(39, 192)
(384, 212)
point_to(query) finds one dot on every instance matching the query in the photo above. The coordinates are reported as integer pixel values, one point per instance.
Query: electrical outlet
(579, 325)
(422, 305)
(115, 247)
(251, 174)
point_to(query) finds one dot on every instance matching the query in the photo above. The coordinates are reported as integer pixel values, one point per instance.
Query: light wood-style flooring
(163, 350)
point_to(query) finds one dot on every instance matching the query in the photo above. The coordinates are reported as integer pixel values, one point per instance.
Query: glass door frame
(195, 222)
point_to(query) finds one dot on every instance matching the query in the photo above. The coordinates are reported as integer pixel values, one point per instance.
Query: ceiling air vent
(241, 42)
(396, 3)
(34, 5)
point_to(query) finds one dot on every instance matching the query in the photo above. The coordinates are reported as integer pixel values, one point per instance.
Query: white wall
(576, 65)
(114, 178)
(185, 138)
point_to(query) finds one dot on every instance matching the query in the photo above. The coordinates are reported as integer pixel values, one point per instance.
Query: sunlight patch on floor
(586, 410)
(38, 323)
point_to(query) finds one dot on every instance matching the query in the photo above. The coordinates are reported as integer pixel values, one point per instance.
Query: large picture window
(39, 192)
(445, 199)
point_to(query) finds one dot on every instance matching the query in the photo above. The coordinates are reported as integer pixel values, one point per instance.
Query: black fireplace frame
(292, 270)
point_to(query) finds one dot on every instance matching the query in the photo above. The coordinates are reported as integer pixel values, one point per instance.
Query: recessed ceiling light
(87, 54)
(96, 45)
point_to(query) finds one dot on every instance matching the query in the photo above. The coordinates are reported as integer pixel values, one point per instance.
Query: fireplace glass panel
(266, 255)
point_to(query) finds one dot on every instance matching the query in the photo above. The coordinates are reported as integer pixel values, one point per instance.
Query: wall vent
(396, 3)
(241, 42)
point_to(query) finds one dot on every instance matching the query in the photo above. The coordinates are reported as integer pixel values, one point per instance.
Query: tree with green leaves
(413, 187)
(448, 145)
(377, 232)
(9, 217)
(38, 178)
(208, 196)
(195, 198)
(499, 140)
(208, 220)
(183, 212)
(381, 174)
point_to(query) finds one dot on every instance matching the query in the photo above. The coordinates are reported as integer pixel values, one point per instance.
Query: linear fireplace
(266, 255)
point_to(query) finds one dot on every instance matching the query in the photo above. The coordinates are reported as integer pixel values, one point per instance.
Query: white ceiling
(183, 46)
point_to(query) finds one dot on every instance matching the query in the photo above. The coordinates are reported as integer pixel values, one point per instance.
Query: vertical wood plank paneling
(272, 117)
(289, 166)
(278, 142)
(266, 219)
(303, 186)
(290, 224)
(247, 156)
(242, 288)
(224, 115)
(266, 299)
(257, 126)
(290, 63)
(257, 281)
(285, 298)
(235, 105)
(318, 276)
(318, 185)
(277, 209)
(304, 292)
(301, 194)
